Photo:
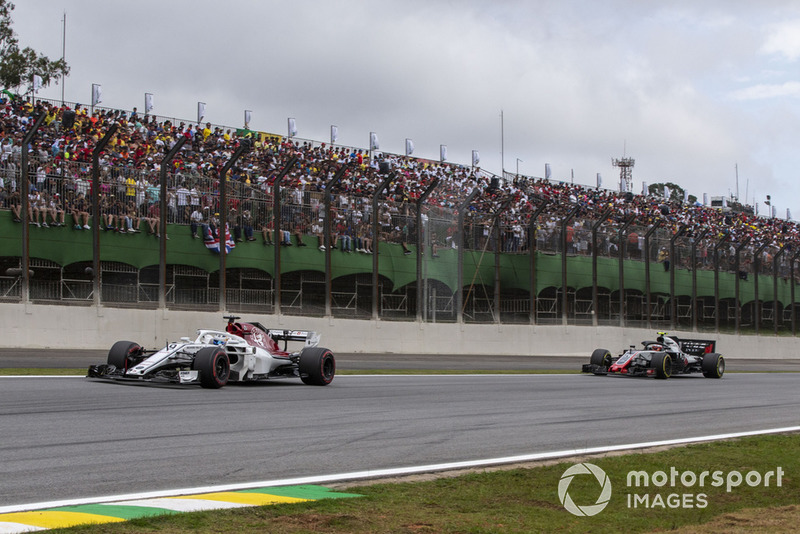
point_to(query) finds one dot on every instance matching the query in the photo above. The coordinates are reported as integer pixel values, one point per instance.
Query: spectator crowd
(60, 192)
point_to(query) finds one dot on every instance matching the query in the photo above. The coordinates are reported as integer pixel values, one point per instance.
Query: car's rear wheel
(662, 363)
(124, 354)
(214, 367)
(317, 366)
(601, 357)
(713, 365)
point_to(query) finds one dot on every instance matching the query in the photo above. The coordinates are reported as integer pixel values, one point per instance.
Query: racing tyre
(214, 367)
(662, 363)
(713, 365)
(601, 357)
(124, 354)
(317, 366)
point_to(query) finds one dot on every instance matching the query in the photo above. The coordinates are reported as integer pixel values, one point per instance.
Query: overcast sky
(689, 89)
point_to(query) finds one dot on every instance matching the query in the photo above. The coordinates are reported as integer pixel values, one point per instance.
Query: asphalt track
(69, 437)
(80, 359)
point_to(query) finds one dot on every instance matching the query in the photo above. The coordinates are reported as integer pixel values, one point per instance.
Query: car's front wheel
(124, 354)
(662, 363)
(713, 365)
(214, 367)
(317, 366)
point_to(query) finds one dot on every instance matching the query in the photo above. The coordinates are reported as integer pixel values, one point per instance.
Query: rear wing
(311, 339)
(697, 347)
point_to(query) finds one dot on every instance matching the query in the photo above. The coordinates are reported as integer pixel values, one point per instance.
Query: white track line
(377, 473)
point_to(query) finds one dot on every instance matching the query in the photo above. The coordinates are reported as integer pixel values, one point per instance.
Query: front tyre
(317, 366)
(214, 367)
(601, 357)
(713, 365)
(124, 354)
(662, 363)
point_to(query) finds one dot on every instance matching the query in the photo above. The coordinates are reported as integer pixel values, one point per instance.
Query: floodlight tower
(625, 165)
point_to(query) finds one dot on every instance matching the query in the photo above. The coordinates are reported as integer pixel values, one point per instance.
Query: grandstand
(328, 230)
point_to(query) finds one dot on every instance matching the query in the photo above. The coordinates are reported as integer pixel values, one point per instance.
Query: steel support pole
(222, 228)
(460, 267)
(532, 231)
(98, 149)
(162, 242)
(376, 228)
(421, 246)
(276, 230)
(647, 289)
(622, 248)
(24, 191)
(328, 228)
(694, 276)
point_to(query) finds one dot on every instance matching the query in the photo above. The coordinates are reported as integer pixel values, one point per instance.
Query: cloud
(784, 40)
(765, 91)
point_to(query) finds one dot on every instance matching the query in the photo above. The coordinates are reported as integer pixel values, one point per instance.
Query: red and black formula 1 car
(242, 352)
(662, 358)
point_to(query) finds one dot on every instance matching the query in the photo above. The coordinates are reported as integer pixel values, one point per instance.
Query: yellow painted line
(253, 499)
(57, 519)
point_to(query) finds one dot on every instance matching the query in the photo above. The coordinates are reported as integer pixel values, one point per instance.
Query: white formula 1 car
(242, 352)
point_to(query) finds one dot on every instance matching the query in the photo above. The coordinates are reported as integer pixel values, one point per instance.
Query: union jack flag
(211, 239)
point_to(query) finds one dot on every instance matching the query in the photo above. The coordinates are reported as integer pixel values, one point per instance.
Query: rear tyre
(124, 354)
(214, 367)
(317, 366)
(662, 363)
(713, 365)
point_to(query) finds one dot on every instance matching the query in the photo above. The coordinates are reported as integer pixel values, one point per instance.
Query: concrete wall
(80, 327)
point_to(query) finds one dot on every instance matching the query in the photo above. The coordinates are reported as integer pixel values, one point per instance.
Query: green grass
(526, 500)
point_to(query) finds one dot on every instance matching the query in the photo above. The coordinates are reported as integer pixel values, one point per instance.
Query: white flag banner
(148, 103)
(37, 83)
(666, 193)
(292, 127)
(247, 116)
(97, 94)
(476, 158)
(442, 153)
(547, 171)
(644, 189)
(685, 196)
(705, 199)
(334, 134)
(788, 215)
(623, 186)
(373, 141)
(409, 147)
(599, 181)
(774, 211)
(201, 111)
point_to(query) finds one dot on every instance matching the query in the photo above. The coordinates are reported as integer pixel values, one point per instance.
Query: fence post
(775, 260)
(622, 241)
(24, 191)
(756, 276)
(376, 229)
(792, 290)
(532, 231)
(716, 280)
(96, 210)
(648, 297)
(737, 279)
(162, 242)
(461, 241)
(421, 247)
(222, 228)
(694, 276)
(497, 250)
(276, 230)
(673, 304)
(564, 299)
(327, 224)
